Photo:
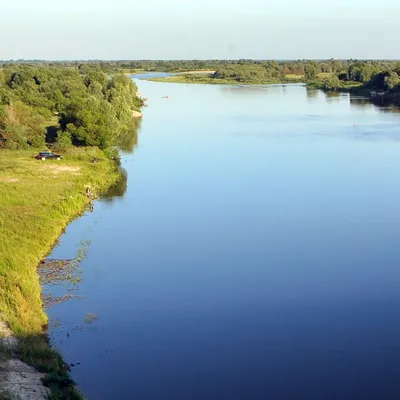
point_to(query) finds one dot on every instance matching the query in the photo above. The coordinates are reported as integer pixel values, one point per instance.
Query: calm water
(254, 254)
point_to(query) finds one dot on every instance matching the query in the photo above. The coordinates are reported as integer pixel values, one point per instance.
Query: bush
(90, 106)
(64, 140)
(113, 154)
(332, 83)
(392, 80)
(38, 142)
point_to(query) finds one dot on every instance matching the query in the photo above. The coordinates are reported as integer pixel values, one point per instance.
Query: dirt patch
(21, 209)
(136, 114)
(9, 180)
(198, 72)
(61, 168)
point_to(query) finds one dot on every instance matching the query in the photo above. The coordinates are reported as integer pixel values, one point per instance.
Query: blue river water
(253, 254)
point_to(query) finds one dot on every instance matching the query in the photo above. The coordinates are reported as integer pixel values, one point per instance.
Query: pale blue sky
(184, 29)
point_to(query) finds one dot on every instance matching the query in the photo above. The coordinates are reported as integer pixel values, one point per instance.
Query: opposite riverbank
(325, 82)
(196, 77)
(322, 80)
(37, 200)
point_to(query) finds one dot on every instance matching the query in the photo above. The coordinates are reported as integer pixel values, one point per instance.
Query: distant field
(321, 75)
(294, 77)
(197, 72)
(324, 75)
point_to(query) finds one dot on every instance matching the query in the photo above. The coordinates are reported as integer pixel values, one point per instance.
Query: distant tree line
(330, 74)
(296, 67)
(69, 104)
(90, 103)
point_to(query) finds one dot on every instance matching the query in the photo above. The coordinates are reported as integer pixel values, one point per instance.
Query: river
(252, 253)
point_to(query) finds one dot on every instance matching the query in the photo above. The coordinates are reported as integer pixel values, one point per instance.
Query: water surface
(252, 252)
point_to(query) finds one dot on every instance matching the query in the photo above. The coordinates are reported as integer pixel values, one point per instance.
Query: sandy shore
(202, 71)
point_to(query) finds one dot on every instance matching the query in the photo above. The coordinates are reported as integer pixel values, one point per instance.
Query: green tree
(310, 72)
(21, 127)
(392, 80)
(332, 83)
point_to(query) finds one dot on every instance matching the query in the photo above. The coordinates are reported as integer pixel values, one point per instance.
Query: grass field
(37, 200)
(207, 79)
(294, 77)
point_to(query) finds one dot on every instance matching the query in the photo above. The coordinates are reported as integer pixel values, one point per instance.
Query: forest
(65, 105)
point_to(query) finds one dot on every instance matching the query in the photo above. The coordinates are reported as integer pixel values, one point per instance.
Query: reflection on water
(149, 75)
(378, 103)
(313, 94)
(390, 108)
(118, 189)
(128, 139)
(333, 95)
(242, 90)
(336, 96)
(361, 104)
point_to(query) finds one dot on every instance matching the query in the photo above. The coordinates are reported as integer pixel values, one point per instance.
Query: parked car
(44, 155)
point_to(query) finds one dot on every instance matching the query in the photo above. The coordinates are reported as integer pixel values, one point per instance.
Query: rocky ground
(18, 381)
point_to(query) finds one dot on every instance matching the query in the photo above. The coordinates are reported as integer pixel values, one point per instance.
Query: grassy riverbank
(37, 200)
(209, 79)
(326, 85)
(324, 81)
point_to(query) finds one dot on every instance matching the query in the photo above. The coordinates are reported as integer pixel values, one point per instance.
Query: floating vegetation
(55, 323)
(91, 317)
(50, 300)
(62, 272)
(56, 272)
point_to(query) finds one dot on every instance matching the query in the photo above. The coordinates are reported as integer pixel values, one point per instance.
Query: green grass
(344, 86)
(294, 77)
(351, 85)
(37, 200)
(202, 78)
(207, 79)
(324, 75)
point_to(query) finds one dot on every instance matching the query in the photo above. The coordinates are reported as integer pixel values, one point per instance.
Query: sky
(191, 29)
